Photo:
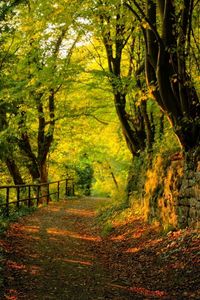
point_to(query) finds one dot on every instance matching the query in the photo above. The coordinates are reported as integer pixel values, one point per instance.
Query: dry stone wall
(189, 199)
(172, 194)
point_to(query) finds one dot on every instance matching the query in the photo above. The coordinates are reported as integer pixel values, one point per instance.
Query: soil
(58, 253)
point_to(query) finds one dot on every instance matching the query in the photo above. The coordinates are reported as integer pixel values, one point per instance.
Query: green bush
(84, 179)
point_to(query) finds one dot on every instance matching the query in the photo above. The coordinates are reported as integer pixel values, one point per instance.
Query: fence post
(29, 196)
(66, 187)
(7, 201)
(38, 195)
(58, 190)
(47, 193)
(18, 197)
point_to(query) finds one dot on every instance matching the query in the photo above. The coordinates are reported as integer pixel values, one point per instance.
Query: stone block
(197, 193)
(193, 213)
(184, 193)
(184, 202)
(198, 177)
(190, 192)
(192, 182)
(198, 214)
(185, 183)
(193, 202)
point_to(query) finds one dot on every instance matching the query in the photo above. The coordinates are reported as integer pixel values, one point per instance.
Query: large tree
(170, 40)
(7, 147)
(37, 68)
(125, 67)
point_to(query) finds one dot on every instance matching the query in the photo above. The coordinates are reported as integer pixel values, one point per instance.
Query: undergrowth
(117, 210)
(13, 216)
(4, 224)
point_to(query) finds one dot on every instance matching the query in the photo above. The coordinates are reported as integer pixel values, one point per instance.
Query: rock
(193, 202)
(197, 193)
(193, 213)
(184, 202)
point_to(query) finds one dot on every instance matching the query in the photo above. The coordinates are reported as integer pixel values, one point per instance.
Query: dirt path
(57, 253)
(50, 254)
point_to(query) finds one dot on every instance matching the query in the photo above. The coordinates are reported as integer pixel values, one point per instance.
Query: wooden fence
(32, 194)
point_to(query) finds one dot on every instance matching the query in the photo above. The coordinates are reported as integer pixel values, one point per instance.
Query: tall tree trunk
(43, 172)
(31, 164)
(135, 139)
(136, 129)
(44, 179)
(14, 171)
(174, 90)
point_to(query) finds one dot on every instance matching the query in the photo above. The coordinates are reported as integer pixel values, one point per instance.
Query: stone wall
(172, 194)
(188, 209)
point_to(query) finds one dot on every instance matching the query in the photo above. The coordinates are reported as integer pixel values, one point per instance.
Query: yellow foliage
(170, 194)
(153, 176)
(161, 191)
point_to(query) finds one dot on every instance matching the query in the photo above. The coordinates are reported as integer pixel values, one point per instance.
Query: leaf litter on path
(58, 253)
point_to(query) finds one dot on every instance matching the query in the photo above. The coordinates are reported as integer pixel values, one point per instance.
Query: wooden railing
(32, 194)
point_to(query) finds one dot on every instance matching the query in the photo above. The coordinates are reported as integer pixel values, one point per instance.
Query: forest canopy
(103, 90)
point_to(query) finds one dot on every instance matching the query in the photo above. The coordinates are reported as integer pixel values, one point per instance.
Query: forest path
(58, 253)
(50, 254)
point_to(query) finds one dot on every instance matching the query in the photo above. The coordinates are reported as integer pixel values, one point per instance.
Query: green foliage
(84, 180)
(166, 143)
(55, 48)
(111, 210)
(137, 172)
(107, 229)
(14, 215)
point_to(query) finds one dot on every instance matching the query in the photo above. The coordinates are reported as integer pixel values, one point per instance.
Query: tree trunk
(14, 171)
(167, 40)
(44, 179)
(135, 139)
(113, 177)
(43, 172)
(32, 165)
(26, 148)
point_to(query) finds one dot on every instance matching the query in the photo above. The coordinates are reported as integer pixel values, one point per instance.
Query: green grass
(107, 229)
(110, 211)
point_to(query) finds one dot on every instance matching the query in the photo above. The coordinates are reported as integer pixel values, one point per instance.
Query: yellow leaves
(58, 11)
(32, 28)
(140, 96)
(152, 89)
(145, 25)
(32, 82)
(26, 28)
(153, 176)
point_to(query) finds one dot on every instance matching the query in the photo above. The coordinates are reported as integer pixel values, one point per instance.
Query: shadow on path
(57, 253)
(50, 255)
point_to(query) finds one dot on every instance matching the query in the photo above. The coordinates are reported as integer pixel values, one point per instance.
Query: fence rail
(32, 194)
